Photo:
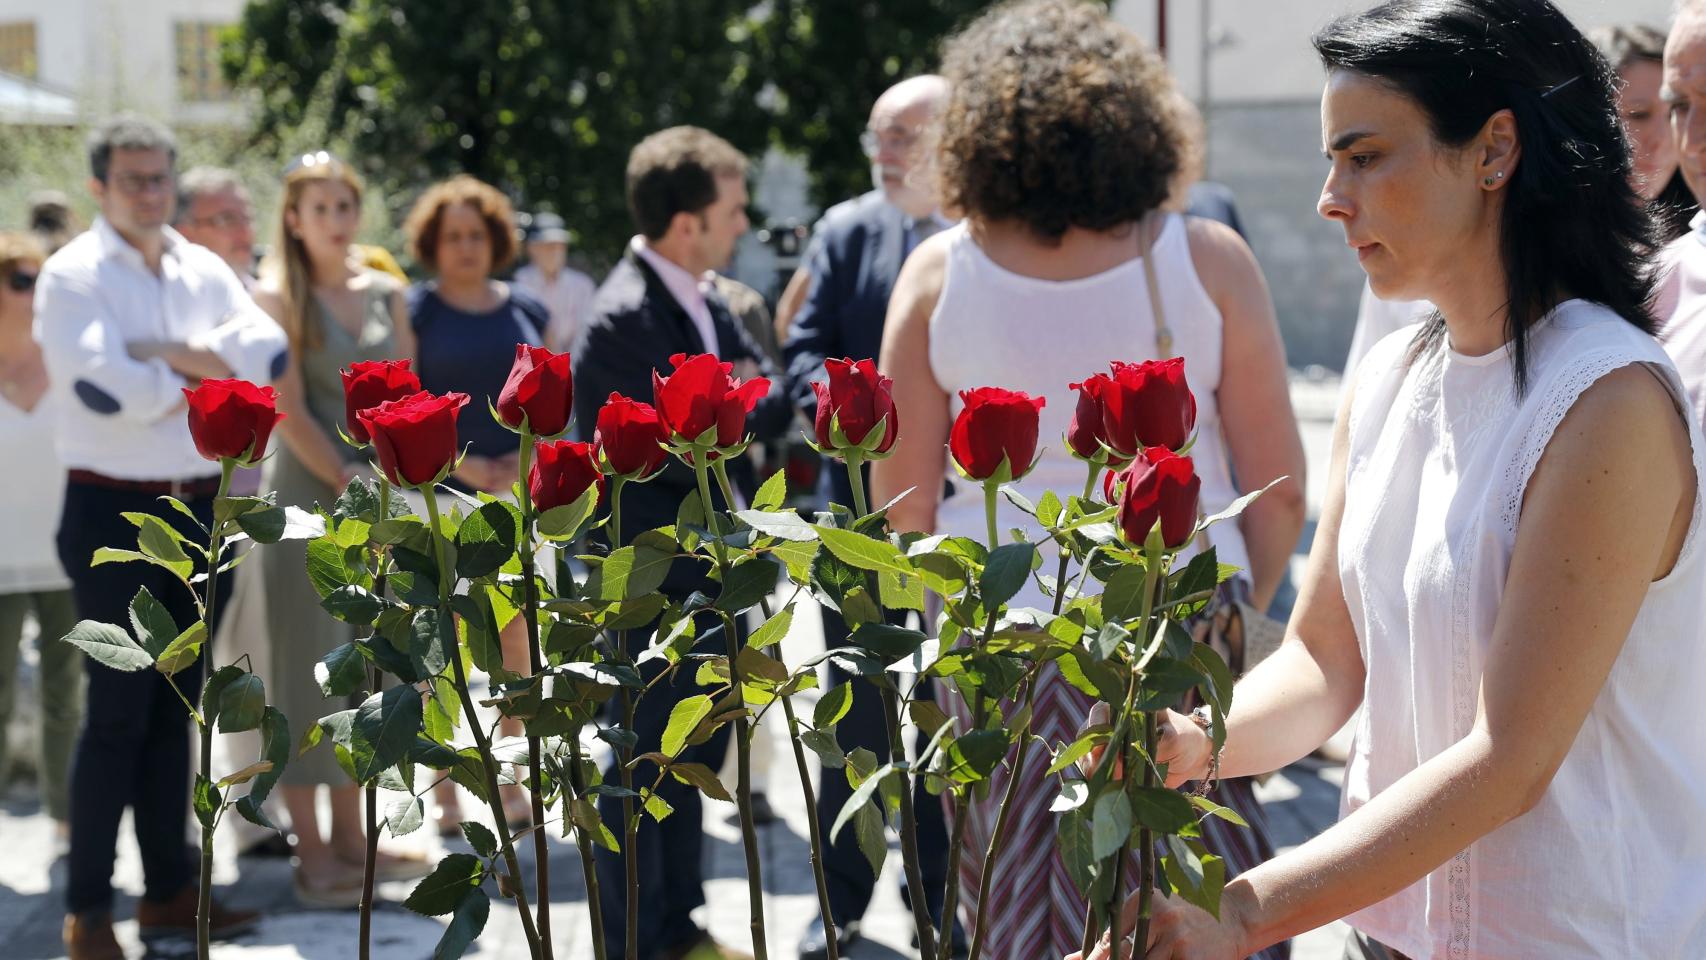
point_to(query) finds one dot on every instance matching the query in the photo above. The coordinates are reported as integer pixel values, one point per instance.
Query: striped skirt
(1035, 910)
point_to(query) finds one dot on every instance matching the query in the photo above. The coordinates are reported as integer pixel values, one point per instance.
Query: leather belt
(193, 487)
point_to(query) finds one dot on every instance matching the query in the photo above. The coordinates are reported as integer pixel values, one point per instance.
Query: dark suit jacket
(636, 325)
(855, 256)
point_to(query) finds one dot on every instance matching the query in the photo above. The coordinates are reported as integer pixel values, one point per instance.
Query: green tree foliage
(545, 99)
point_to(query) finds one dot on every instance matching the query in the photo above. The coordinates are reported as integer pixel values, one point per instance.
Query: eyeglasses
(318, 158)
(135, 184)
(224, 221)
(873, 142)
(21, 282)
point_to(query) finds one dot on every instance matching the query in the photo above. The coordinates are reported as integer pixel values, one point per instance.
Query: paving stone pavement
(1301, 800)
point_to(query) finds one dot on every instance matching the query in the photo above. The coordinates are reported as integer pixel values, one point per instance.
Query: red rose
(857, 398)
(415, 437)
(540, 390)
(703, 393)
(1159, 485)
(562, 471)
(631, 436)
(995, 425)
(369, 383)
(1148, 404)
(232, 419)
(1086, 436)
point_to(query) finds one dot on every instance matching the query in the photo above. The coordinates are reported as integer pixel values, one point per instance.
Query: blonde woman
(336, 312)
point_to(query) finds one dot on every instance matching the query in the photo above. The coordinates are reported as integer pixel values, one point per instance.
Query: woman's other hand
(1184, 747)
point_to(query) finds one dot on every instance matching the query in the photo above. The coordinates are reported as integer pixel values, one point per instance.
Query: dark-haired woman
(1637, 53)
(1506, 575)
(1061, 144)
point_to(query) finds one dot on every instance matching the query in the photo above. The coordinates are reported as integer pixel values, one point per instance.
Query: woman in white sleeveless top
(1507, 575)
(1041, 287)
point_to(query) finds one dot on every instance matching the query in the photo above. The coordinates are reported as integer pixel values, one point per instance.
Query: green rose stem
(370, 793)
(536, 791)
(998, 839)
(897, 749)
(743, 748)
(814, 831)
(630, 815)
(488, 764)
(204, 901)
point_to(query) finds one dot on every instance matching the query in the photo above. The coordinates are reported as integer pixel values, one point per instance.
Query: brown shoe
(90, 937)
(176, 917)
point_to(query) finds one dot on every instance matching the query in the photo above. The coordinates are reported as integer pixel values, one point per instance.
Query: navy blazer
(636, 325)
(855, 256)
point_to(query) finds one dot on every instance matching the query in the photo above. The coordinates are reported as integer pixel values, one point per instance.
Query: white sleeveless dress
(993, 327)
(1612, 863)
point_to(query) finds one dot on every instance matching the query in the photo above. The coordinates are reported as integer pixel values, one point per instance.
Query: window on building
(200, 79)
(18, 48)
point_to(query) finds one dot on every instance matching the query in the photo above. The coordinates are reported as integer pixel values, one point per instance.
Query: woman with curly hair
(1060, 145)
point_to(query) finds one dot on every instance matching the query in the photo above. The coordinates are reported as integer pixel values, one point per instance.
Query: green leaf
(900, 591)
(684, 718)
(360, 500)
(781, 524)
(634, 570)
(862, 795)
(206, 801)
(1161, 809)
(1018, 499)
(272, 524)
(214, 688)
(455, 877)
(1072, 795)
(480, 838)
(974, 755)
(887, 641)
(430, 644)
(464, 927)
(868, 831)
(353, 605)
(1110, 823)
(700, 776)
(566, 522)
(342, 671)
(396, 530)
(1049, 509)
(748, 583)
(1237, 506)
(1122, 600)
(1072, 839)
(158, 539)
(832, 706)
(486, 539)
(184, 511)
(1219, 686)
(330, 566)
(242, 704)
(1216, 810)
(772, 493)
(405, 816)
(182, 651)
(1080, 747)
(1109, 640)
(773, 629)
(865, 553)
(152, 623)
(226, 509)
(1201, 575)
(655, 805)
(822, 743)
(383, 731)
(275, 749)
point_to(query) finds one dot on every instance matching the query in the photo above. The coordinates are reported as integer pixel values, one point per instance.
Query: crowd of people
(1505, 585)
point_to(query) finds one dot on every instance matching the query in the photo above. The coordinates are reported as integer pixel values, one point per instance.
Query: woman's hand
(1181, 931)
(1184, 747)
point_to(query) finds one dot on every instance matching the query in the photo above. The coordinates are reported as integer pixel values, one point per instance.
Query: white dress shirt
(124, 417)
(35, 491)
(568, 298)
(688, 290)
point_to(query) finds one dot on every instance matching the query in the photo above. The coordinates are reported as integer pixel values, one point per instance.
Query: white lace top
(996, 328)
(1612, 862)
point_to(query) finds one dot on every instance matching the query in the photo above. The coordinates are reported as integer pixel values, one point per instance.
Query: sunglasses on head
(21, 282)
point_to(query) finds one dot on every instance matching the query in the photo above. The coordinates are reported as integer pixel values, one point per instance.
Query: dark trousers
(845, 868)
(671, 853)
(133, 750)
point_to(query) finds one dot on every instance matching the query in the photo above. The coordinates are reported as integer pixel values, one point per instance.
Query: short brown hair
(424, 219)
(675, 171)
(1057, 117)
(16, 248)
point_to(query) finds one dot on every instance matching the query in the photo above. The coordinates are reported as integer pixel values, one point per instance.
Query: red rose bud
(1086, 436)
(539, 390)
(995, 425)
(1148, 404)
(1159, 485)
(857, 399)
(232, 419)
(631, 437)
(369, 383)
(703, 393)
(415, 437)
(562, 470)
